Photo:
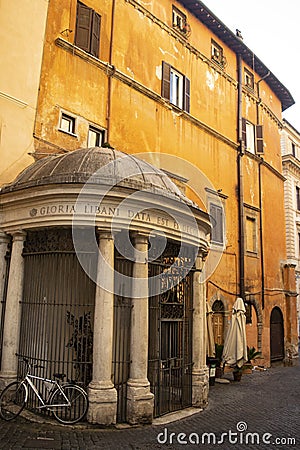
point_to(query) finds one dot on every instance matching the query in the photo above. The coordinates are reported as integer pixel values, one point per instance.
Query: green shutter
(244, 133)
(83, 27)
(186, 100)
(165, 84)
(95, 37)
(259, 139)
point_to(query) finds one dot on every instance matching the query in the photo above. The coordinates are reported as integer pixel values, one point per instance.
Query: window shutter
(244, 132)
(83, 27)
(259, 139)
(165, 85)
(216, 213)
(186, 100)
(95, 38)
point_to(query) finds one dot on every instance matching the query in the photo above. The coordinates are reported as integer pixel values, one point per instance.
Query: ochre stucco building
(169, 83)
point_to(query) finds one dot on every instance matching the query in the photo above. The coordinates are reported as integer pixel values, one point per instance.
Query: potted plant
(252, 354)
(237, 373)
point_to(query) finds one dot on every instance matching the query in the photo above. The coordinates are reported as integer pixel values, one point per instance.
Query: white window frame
(100, 136)
(67, 123)
(217, 53)
(248, 78)
(176, 88)
(250, 137)
(178, 19)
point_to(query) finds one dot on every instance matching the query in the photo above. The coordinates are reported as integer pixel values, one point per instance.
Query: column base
(200, 388)
(140, 402)
(6, 378)
(102, 403)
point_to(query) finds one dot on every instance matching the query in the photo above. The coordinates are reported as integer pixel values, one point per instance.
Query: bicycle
(68, 402)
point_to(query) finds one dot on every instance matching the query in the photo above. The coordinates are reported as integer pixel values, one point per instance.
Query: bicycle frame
(27, 382)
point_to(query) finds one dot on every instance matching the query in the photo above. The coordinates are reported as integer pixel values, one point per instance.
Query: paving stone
(263, 402)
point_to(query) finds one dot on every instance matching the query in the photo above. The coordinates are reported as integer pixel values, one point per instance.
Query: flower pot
(237, 375)
(247, 368)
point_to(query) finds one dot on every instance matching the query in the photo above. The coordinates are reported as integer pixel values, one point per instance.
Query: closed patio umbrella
(210, 340)
(235, 345)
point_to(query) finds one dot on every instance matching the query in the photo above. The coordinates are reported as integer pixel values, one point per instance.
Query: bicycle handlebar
(35, 366)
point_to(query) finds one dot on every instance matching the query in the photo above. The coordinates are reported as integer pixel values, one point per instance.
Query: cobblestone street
(260, 412)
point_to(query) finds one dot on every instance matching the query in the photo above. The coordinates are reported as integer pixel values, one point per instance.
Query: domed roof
(104, 165)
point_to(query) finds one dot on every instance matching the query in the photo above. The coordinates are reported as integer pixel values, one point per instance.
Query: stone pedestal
(102, 403)
(102, 394)
(139, 397)
(139, 402)
(200, 387)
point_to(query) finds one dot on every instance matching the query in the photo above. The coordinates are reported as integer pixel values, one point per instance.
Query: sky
(271, 29)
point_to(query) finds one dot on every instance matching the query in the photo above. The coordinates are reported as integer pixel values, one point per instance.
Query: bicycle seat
(60, 376)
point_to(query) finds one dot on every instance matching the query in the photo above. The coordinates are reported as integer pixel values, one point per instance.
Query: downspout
(261, 238)
(262, 263)
(109, 75)
(240, 180)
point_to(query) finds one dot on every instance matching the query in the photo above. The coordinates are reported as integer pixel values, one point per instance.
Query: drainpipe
(240, 181)
(262, 263)
(109, 75)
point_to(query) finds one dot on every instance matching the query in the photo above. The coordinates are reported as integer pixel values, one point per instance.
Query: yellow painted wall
(22, 29)
(204, 141)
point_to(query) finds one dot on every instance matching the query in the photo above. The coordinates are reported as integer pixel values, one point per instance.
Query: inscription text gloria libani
(147, 216)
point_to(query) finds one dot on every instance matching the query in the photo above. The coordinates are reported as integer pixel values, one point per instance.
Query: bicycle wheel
(78, 404)
(12, 400)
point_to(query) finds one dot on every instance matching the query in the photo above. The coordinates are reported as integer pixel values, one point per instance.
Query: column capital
(18, 235)
(140, 238)
(104, 234)
(4, 237)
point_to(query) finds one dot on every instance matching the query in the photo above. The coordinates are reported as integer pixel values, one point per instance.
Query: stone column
(200, 374)
(4, 240)
(139, 398)
(11, 330)
(102, 393)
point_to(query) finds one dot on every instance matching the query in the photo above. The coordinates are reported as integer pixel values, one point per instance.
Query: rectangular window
(298, 197)
(217, 219)
(87, 35)
(67, 123)
(251, 240)
(95, 137)
(248, 79)
(178, 19)
(175, 87)
(217, 53)
(293, 149)
(252, 136)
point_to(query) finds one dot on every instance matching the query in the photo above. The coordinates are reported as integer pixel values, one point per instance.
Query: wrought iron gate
(57, 306)
(121, 341)
(170, 337)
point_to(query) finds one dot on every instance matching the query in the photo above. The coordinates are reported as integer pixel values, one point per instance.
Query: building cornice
(236, 44)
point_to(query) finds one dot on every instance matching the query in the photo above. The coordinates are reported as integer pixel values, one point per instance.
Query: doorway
(276, 335)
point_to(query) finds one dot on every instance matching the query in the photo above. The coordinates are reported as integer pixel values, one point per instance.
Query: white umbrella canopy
(235, 345)
(210, 339)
